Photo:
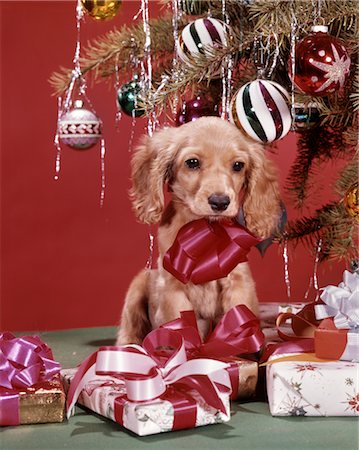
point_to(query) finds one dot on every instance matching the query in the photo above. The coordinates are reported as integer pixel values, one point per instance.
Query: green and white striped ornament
(261, 108)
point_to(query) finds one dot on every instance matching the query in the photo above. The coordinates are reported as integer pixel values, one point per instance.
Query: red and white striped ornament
(261, 109)
(199, 36)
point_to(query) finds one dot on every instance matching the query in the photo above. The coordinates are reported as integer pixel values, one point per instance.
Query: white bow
(341, 302)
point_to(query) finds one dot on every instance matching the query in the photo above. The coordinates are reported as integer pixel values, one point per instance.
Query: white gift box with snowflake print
(143, 418)
(297, 388)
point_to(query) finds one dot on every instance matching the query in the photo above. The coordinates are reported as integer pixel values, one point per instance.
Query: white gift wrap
(297, 388)
(142, 418)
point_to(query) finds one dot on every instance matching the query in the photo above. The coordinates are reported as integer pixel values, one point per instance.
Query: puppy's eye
(192, 163)
(238, 166)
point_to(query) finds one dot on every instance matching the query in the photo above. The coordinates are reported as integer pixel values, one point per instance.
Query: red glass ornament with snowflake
(321, 64)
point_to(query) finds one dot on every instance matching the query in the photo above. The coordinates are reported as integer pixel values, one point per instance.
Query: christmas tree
(172, 60)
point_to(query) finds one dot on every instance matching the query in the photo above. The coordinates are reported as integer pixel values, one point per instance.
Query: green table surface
(251, 425)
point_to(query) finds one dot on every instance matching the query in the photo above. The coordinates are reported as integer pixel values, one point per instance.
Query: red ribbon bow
(204, 251)
(237, 333)
(147, 377)
(24, 362)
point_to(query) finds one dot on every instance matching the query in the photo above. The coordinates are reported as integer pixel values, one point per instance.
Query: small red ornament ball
(322, 63)
(196, 108)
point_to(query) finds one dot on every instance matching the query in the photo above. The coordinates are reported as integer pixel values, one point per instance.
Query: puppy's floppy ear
(261, 204)
(151, 167)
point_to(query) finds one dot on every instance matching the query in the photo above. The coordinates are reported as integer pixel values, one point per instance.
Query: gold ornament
(351, 201)
(101, 9)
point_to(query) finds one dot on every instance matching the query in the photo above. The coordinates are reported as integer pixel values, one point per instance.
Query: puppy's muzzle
(219, 202)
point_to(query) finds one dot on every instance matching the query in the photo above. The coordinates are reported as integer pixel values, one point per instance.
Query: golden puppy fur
(197, 160)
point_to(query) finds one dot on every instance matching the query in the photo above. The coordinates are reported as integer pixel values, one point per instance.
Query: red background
(65, 262)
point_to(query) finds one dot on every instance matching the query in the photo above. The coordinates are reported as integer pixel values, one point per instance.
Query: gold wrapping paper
(44, 403)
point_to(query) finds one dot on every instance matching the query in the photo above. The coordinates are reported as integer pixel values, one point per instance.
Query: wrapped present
(237, 333)
(150, 394)
(30, 386)
(143, 418)
(337, 336)
(331, 343)
(297, 387)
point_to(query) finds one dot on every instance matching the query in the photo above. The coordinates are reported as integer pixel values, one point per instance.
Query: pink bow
(204, 251)
(147, 377)
(24, 362)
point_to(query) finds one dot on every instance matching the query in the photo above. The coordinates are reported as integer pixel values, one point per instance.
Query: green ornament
(305, 116)
(128, 97)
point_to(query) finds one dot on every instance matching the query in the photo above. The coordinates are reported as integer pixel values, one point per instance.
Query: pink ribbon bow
(24, 362)
(204, 251)
(147, 377)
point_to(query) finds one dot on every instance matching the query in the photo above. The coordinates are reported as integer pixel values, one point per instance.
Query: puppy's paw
(124, 338)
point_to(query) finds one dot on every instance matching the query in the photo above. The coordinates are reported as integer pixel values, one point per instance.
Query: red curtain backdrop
(66, 262)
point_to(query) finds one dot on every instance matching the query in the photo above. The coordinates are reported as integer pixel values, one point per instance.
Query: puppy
(212, 170)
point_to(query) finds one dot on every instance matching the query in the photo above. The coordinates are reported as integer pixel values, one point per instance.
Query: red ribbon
(204, 251)
(147, 376)
(237, 333)
(24, 362)
(184, 408)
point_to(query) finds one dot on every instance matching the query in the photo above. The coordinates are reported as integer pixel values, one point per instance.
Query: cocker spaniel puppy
(212, 170)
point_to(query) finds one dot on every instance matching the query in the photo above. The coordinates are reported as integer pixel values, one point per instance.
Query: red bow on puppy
(204, 251)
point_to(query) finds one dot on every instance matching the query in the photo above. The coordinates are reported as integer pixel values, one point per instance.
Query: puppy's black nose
(219, 202)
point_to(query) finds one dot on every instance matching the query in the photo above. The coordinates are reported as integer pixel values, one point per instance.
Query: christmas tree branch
(117, 48)
(317, 145)
(332, 223)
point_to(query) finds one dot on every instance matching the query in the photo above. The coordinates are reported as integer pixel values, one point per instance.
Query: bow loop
(350, 281)
(24, 378)
(341, 302)
(171, 343)
(186, 325)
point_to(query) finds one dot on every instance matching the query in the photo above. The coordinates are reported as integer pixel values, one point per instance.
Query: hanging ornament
(128, 96)
(199, 37)
(196, 108)
(305, 116)
(351, 201)
(79, 128)
(194, 7)
(321, 63)
(101, 9)
(261, 109)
